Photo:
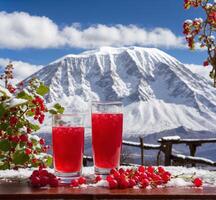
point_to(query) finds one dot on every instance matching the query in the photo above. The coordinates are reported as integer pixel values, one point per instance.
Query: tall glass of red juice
(68, 145)
(107, 122)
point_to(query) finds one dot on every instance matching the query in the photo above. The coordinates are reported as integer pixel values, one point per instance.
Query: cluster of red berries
(141, 177)
(42, 178)
(79, 181)
(40, 108)
(191, 29)
(193, 3)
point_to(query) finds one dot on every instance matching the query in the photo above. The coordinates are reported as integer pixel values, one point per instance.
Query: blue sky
(143, 14)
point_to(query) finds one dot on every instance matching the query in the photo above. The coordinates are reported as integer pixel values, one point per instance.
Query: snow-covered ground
(208, 177)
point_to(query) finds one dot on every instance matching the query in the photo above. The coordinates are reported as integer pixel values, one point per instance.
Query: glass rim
(107, 102)
(70, 114)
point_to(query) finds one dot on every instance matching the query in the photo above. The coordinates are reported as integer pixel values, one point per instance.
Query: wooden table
(23, 191)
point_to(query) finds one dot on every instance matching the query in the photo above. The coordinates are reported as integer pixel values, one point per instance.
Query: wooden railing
(141, 145)
(167, 145)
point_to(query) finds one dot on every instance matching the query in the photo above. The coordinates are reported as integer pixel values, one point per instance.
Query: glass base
(102, 171)
(65, 178)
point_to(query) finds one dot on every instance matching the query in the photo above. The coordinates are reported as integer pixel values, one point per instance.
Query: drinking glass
(107, 122)
(68, 145)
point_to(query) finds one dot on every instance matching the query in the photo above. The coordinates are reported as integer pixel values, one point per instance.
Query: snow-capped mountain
(158, 91)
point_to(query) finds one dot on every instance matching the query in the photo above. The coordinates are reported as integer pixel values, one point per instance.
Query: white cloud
(21, 69)
(22, 30)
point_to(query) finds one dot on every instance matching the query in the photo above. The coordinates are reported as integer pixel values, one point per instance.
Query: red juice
(106, 139)
(68, 147)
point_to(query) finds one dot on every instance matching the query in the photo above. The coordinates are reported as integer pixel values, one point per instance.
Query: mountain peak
(153, 85)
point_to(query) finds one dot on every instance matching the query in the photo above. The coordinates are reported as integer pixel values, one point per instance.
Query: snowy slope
(159, 93)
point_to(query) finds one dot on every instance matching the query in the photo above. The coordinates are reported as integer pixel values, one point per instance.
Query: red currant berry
(44, 172)
(98, 178)
(28, 151)
(74, 183)
(161, 170)
(82, 180)
(145, 183)
(42, 141)
(197, 182)
(53, 182)
(110, 177)
(141, 169)
(35, 181)
(132, 183)
(44, 180)
(121, 171)
(23, 138)
(113, 184)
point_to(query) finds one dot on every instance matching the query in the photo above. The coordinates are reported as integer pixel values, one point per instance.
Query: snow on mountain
(159, 92)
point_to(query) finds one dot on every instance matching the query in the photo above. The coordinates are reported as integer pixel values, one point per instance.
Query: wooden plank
(188, 141)
(20, 191)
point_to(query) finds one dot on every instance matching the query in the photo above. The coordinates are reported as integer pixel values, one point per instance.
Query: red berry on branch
(205, 63)
(23, 138)
(42, 141)
(28, 151)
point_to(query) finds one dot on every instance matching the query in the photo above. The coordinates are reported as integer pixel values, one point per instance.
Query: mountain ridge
(144, 79)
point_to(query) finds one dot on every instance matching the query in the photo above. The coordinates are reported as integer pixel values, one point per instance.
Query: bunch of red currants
(42, 178)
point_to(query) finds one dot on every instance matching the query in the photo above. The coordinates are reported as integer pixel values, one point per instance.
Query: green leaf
(49, 161)
(42, 89)
(52, 111)
(59, 108)
(19, 157)
(24, 95)
(30, 113)
(2, 110)
(34, 127)
(3, 126)
(5, 145)
(4, 166)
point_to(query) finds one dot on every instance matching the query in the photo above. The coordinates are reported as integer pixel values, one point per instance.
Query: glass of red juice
(68, 145)
(107, 124)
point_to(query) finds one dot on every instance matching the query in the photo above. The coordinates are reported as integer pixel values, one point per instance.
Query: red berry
(44, 172)
(113, 184)
(112, 171)
(44, 180)
(141, 169)
(82, 180)
(150, 169)
(74, 183)
(53, 182)
(161, 170)
(42, 141)
(109, 177)
(28, 151)
(197, 182)
(132, 183)
(98, 178)
(205, 63)
(35, 181)
(145, 183)
(121, 171)
(35, 173)
(50, 175)
(24, 138)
